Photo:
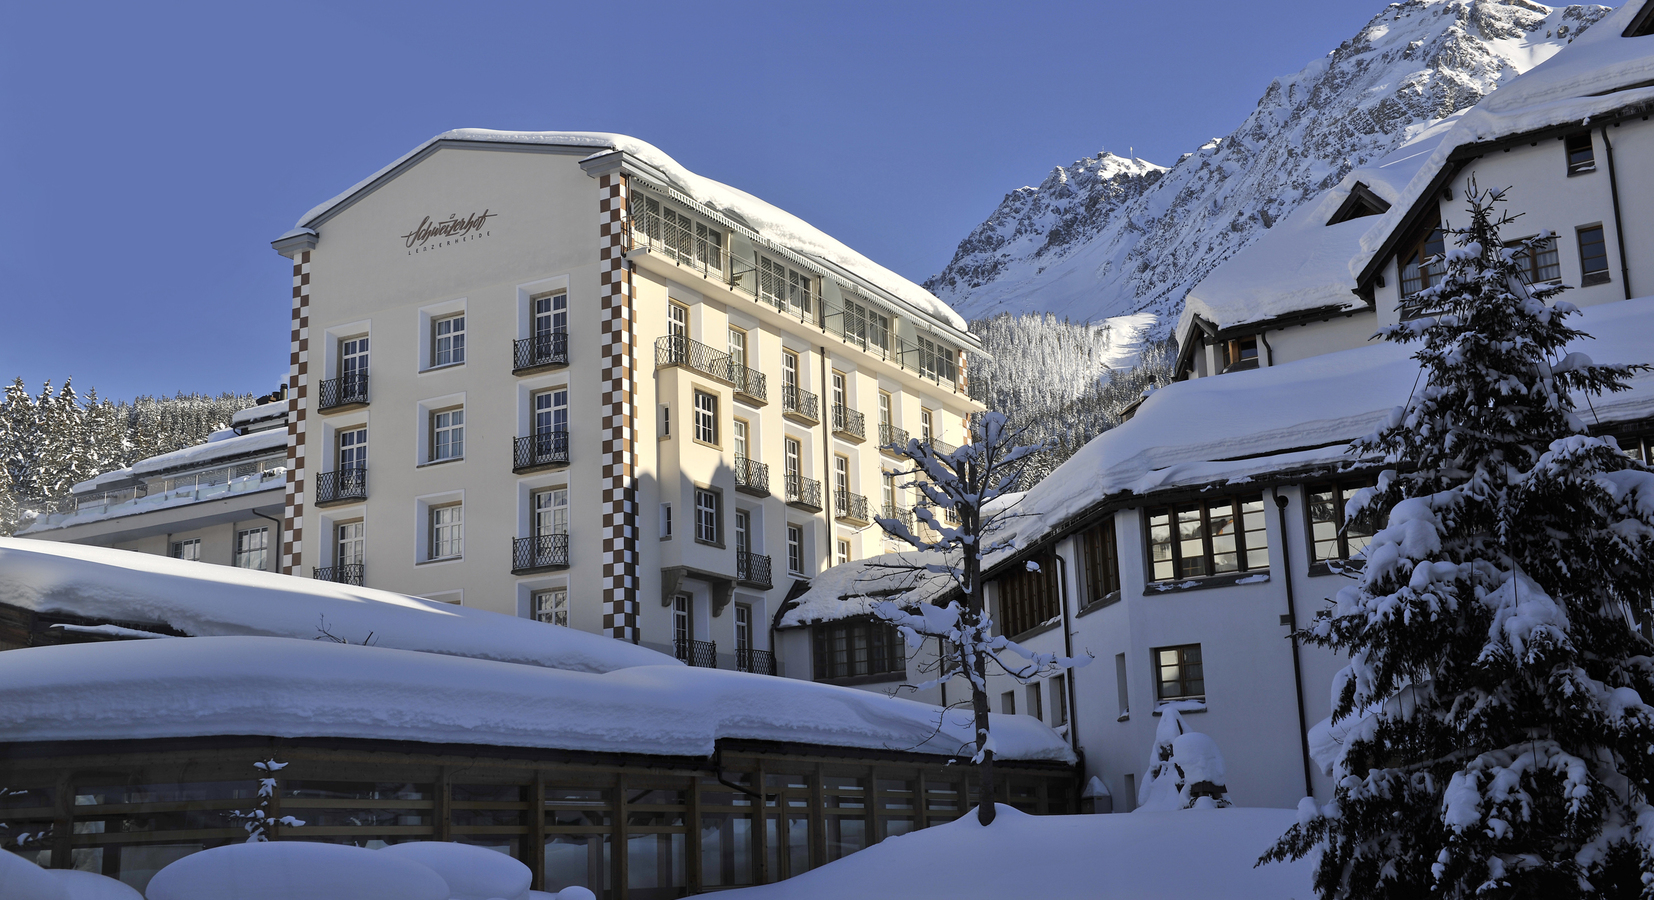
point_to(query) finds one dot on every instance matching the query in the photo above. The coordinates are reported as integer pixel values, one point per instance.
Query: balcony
(900, 514)
(848, 507)
(345, 392)
(751, 387)
(891, 435)
(849, 424)
(752, 569)
(804, 493)
(343, 486)
(542, 351)
(752, 477)
(542, 450)
(801, 406)
(349, 573)
(758, 662)
(696, 653)
(539, 553)
(676, 350)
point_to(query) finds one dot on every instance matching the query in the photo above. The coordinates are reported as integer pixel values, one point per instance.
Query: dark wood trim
(1361, 198)
(1642, 24)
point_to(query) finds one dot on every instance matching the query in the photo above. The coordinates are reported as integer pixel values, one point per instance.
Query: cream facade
(534, 376)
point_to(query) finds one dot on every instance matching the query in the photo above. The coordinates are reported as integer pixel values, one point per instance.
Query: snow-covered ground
(1197, 854)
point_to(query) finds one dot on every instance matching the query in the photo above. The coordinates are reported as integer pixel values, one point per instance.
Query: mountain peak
(1108, 235)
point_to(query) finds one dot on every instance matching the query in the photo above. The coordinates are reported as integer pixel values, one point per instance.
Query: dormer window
(1581, 156)
(1240, 353)
(1361, 202)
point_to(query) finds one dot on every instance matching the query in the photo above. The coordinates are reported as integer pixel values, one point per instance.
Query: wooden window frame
(1427, 248)
(884, 656)
(1100, 560)
(713, 525)
(1592, 277)
(1532, 269)
(1183, 681)
(455, 338)
(1029, 599)
(1341, 491)
(1585, 164)
(706, 420)
(1236, 508)
(1234, 354)
(557, 610)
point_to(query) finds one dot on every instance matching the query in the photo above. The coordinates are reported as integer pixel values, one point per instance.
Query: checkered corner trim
(298, 381)
(619, 388)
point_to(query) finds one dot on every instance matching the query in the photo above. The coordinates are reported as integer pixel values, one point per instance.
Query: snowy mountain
(1109, 236)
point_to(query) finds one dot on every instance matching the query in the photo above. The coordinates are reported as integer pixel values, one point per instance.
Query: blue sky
(152, 151)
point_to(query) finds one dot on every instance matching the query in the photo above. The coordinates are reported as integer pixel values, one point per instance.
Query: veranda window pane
(1323, 522)
(1224, 557)
(1191, 542)
(578, 859)
(1160, 545)
(655, 866)
(726, 849)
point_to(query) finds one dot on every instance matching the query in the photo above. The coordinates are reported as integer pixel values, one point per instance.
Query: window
(677, 320)
(1331, 537)
(353, 361)
(783, 288)
(793, 461)
(936, 360)
(448, 341)
(252, 548)
(1059, 700)
(1122, 694)
(1028, 598)
(1593, 256)
(551, 414)
(789, 376)
(1036, 707)
(683, 624)
(743, 627)
(666, 521)
(706, 516)
(798, 290)
(706, 418)
(447, 534)
(353, 449)
(740, 435)
(795, 549)
(350, 543)
(1100, 556)
(865, 327)
(665, 421)
(857, 648)
(1179, 673)
(188, 549)
(551, 512)
(843, 551)
(1214, 537)
(551, 314)
(887, 492)
(1421, 260)
(552, 607)
(448, 434)
(743, 531)
(841, 481)
(925, 426)
(884, 413)
(840, 400)
(1581, 159)
(737, 349)
(1008, 703)
(1541, 265)
(1240, 353)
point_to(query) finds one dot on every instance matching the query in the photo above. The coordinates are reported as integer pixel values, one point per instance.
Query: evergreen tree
(1502, 745)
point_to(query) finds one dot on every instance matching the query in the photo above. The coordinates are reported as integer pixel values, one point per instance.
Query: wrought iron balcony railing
(803, 492)
(892, 439)
(341, 486)
(899, 513)
(850, 507)
(349, 573)
(750, 384)
(848, 423)
(540, 450)
(346, 390)
(542, 551)
(758, 662)
(752, 568)
(752, 477)
(697, 653)
(801, 404)
(541, 351)
(676, 350)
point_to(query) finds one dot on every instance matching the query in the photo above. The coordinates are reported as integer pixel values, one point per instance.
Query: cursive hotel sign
(453, 230)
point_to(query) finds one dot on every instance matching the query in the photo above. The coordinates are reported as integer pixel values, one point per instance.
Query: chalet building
(218, 502)
(1181, 549)
(559, 376)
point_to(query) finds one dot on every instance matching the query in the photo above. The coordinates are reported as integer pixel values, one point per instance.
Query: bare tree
(968, 498)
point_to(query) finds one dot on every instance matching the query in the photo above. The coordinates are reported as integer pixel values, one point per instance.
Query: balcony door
(351, 543)
(743, 629)
(353, 449)
(741, 454)
(683, 628)
(841, 480)
(551, 315)
(743, 523)
(551, 512)
(353, 358)
(551, 417)
(794, 464)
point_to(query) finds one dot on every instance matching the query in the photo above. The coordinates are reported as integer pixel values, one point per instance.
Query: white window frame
(551, 606)
(447, 434)
(706, 417)
(357, 543)
(245, 555)
(446, 525)
(708, 516)
(797, 560)
(448, 340)
(186, 549)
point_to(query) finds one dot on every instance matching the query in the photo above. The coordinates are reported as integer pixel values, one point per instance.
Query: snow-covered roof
(207, 600)
(197, 687)
(230, 446)
(769, 222)
(1303, 263)
(276, 409)
(1243, 427)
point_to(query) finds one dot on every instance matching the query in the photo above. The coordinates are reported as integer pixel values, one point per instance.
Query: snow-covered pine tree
(962, 515)
(1503, 747)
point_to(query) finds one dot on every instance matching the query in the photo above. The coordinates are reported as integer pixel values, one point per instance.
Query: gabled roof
(764, 220)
